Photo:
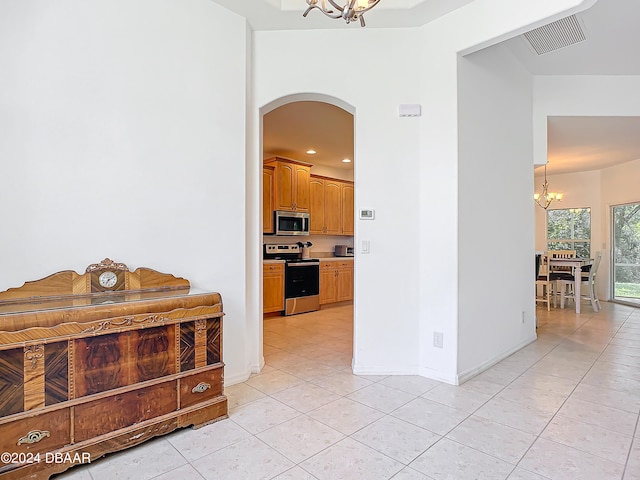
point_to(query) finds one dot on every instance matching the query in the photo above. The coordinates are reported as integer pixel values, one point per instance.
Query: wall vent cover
(559, 34)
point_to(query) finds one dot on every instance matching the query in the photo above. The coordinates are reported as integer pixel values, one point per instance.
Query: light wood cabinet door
(332, 210)
(291, 191)
(285, 179)
(267, 200)
(273, 288)
(302, 198)
(316, 210)
(328, 283)
(336, 281)
(347, 206)
(345, 281)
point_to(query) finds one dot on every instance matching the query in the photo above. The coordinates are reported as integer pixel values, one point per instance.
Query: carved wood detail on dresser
(92, 364)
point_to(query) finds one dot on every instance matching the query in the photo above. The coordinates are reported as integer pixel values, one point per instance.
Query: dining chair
(543, 280)
(562, 254)
(588, 285)
(561, 274)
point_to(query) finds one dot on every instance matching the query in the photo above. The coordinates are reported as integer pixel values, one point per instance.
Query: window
(570, 229)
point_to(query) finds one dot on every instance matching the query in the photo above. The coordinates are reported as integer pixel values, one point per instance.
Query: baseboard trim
(472, 372)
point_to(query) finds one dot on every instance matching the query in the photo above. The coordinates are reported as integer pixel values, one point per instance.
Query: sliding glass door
(626, 252)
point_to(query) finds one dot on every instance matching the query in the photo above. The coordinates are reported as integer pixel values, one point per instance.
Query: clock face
(108, 279)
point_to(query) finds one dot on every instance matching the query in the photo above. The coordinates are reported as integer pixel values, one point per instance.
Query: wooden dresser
(102, 361)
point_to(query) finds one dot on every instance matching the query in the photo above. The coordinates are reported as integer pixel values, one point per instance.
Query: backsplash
(322, 244)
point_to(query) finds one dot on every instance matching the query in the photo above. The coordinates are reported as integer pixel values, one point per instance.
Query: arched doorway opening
(315, 340)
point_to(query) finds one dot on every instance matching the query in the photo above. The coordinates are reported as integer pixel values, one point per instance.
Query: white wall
(406, 169)
(122, 135)
(386, 163)
(494, 164)
(480, 24)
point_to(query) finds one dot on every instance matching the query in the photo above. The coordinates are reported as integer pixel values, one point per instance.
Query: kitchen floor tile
(273, 382)
(522, 417)
(306, 397)
(599, 415)
(241, 394)
(632, 471)
(560, 462)
(492, 438)
(295, 473)
(598, 441)
(456, 397)
(134, 464)
(250, 459)
(196, 443)
(412, 384)
(341, 383)
(300, 438)
(381, 397)
(345, 415)
(433, 416)
(449, 460)
(351, 460)
(396, 438)
(262, 414)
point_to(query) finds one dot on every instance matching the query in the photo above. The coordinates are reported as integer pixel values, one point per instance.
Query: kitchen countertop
(322, 259)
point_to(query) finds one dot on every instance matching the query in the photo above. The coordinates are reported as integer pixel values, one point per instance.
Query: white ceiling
(292, 129)
(287, 14)
(574, 143)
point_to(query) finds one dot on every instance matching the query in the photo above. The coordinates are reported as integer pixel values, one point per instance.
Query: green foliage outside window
(627, 250)
(570, 229)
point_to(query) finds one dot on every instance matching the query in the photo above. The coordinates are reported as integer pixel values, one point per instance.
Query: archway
(302, 121)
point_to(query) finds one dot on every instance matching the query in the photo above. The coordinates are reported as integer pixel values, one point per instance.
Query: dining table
(576, 265)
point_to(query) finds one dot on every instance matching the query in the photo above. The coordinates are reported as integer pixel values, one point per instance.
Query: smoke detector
(556, 35)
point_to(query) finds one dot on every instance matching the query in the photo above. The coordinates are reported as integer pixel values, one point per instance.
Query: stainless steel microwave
(291, 223)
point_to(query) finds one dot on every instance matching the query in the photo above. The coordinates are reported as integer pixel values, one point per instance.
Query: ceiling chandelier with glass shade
(545, 198)
(350, 11)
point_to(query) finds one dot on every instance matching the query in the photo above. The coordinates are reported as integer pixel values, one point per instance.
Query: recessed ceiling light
(311, 151)
(346, 160)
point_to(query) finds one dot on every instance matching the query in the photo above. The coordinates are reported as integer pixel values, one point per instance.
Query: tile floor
(565, 407)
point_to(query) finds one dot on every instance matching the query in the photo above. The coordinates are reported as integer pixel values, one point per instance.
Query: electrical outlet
(523, 316)
(438, 339)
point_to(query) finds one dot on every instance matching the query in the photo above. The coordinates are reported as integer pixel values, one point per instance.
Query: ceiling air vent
(556, 35)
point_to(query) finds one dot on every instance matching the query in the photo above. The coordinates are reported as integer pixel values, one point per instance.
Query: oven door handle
(303, 264)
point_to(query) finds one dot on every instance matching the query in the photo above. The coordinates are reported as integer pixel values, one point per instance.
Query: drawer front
(42, 433)
(198, 388)
(328, 266)
(123, 410)
(274, 268)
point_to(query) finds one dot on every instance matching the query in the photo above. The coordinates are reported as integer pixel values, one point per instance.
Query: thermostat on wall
(368, 214)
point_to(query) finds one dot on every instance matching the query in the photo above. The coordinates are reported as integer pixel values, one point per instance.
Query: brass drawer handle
(34, 436)
(201, 387)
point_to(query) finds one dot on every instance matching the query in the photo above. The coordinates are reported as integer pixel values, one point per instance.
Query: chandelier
(545, 198)
(351, 11)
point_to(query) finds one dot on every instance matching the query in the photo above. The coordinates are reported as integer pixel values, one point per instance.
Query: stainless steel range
(301, 277)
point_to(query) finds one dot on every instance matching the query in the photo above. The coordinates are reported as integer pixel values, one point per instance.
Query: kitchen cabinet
(347, 206)
(291, 190)
(273, 287)
(267, 200)
(336, 281)
(331, 211)
(103, 361)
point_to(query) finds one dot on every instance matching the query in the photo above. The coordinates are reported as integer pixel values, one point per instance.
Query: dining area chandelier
(349, 10)
(545, 198)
